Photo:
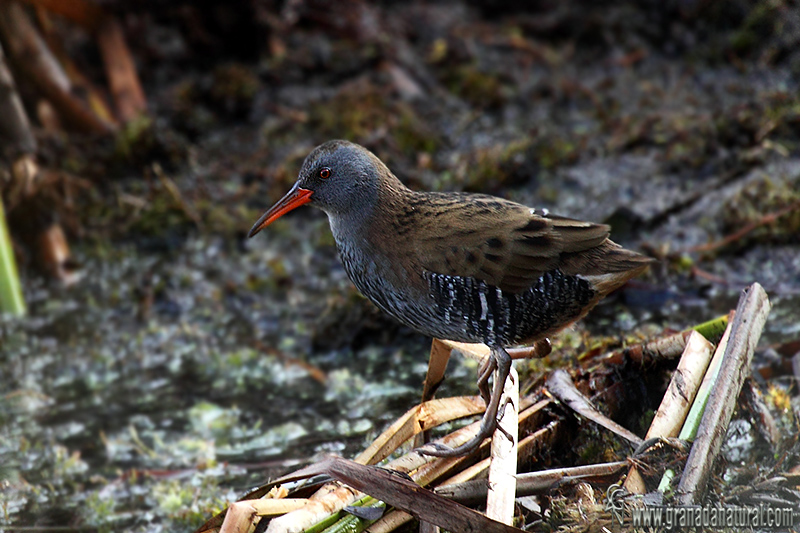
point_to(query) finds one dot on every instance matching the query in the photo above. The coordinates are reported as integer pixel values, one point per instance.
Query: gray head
(339, 177)
(342, 175)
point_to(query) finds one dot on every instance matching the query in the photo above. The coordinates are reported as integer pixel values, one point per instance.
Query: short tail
(608, 266)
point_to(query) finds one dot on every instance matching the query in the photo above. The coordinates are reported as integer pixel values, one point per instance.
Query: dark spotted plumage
(498, 317)
(457, 266)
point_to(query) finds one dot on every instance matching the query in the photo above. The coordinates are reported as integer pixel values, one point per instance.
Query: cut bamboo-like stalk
(503, 466)
(332, 497)
(400, 492)
(418, 419)
(117, 59)
(241, 516)
(15, 130)
(689, 429)
(751, 315)
(423, 469)
(677, 400)
(668, 347)
(120, 70)
(36, 62)
(345, 522)
(682, 388)
(87, 14)
(391, 521)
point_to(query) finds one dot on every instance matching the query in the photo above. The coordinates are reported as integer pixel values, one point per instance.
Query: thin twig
(560, 385)
(530, 483)
(769, 218)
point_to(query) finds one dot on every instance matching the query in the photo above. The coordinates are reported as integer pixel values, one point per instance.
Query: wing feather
(500, 242)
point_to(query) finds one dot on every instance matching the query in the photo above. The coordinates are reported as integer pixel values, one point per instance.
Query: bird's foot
(435, 449)
(500, 428)
(502, 362)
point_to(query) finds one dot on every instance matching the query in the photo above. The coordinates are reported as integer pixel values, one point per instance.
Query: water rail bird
(458, 266)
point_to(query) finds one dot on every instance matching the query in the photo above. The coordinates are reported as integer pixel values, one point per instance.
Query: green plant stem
(11, 300)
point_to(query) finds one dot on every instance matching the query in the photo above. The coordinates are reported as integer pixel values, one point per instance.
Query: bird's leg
(502, 361)
(484, 373)
(440, 355)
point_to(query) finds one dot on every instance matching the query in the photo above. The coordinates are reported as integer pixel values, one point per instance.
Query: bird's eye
(325, 173)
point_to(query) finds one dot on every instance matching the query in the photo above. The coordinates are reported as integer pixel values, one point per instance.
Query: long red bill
(291, 200)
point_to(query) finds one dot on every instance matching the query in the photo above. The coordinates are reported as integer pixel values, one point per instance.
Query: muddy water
(183, 365)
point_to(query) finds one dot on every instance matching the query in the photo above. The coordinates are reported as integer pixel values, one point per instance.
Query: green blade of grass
(11, 300)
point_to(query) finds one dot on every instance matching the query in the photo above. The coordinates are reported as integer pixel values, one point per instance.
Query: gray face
(343, 177)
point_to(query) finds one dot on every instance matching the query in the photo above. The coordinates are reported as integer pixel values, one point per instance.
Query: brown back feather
(506, 244)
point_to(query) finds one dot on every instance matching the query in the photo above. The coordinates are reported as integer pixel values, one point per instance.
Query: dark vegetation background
(188, 364)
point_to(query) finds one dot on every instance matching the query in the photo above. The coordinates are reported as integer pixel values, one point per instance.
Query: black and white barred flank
(493, 316)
